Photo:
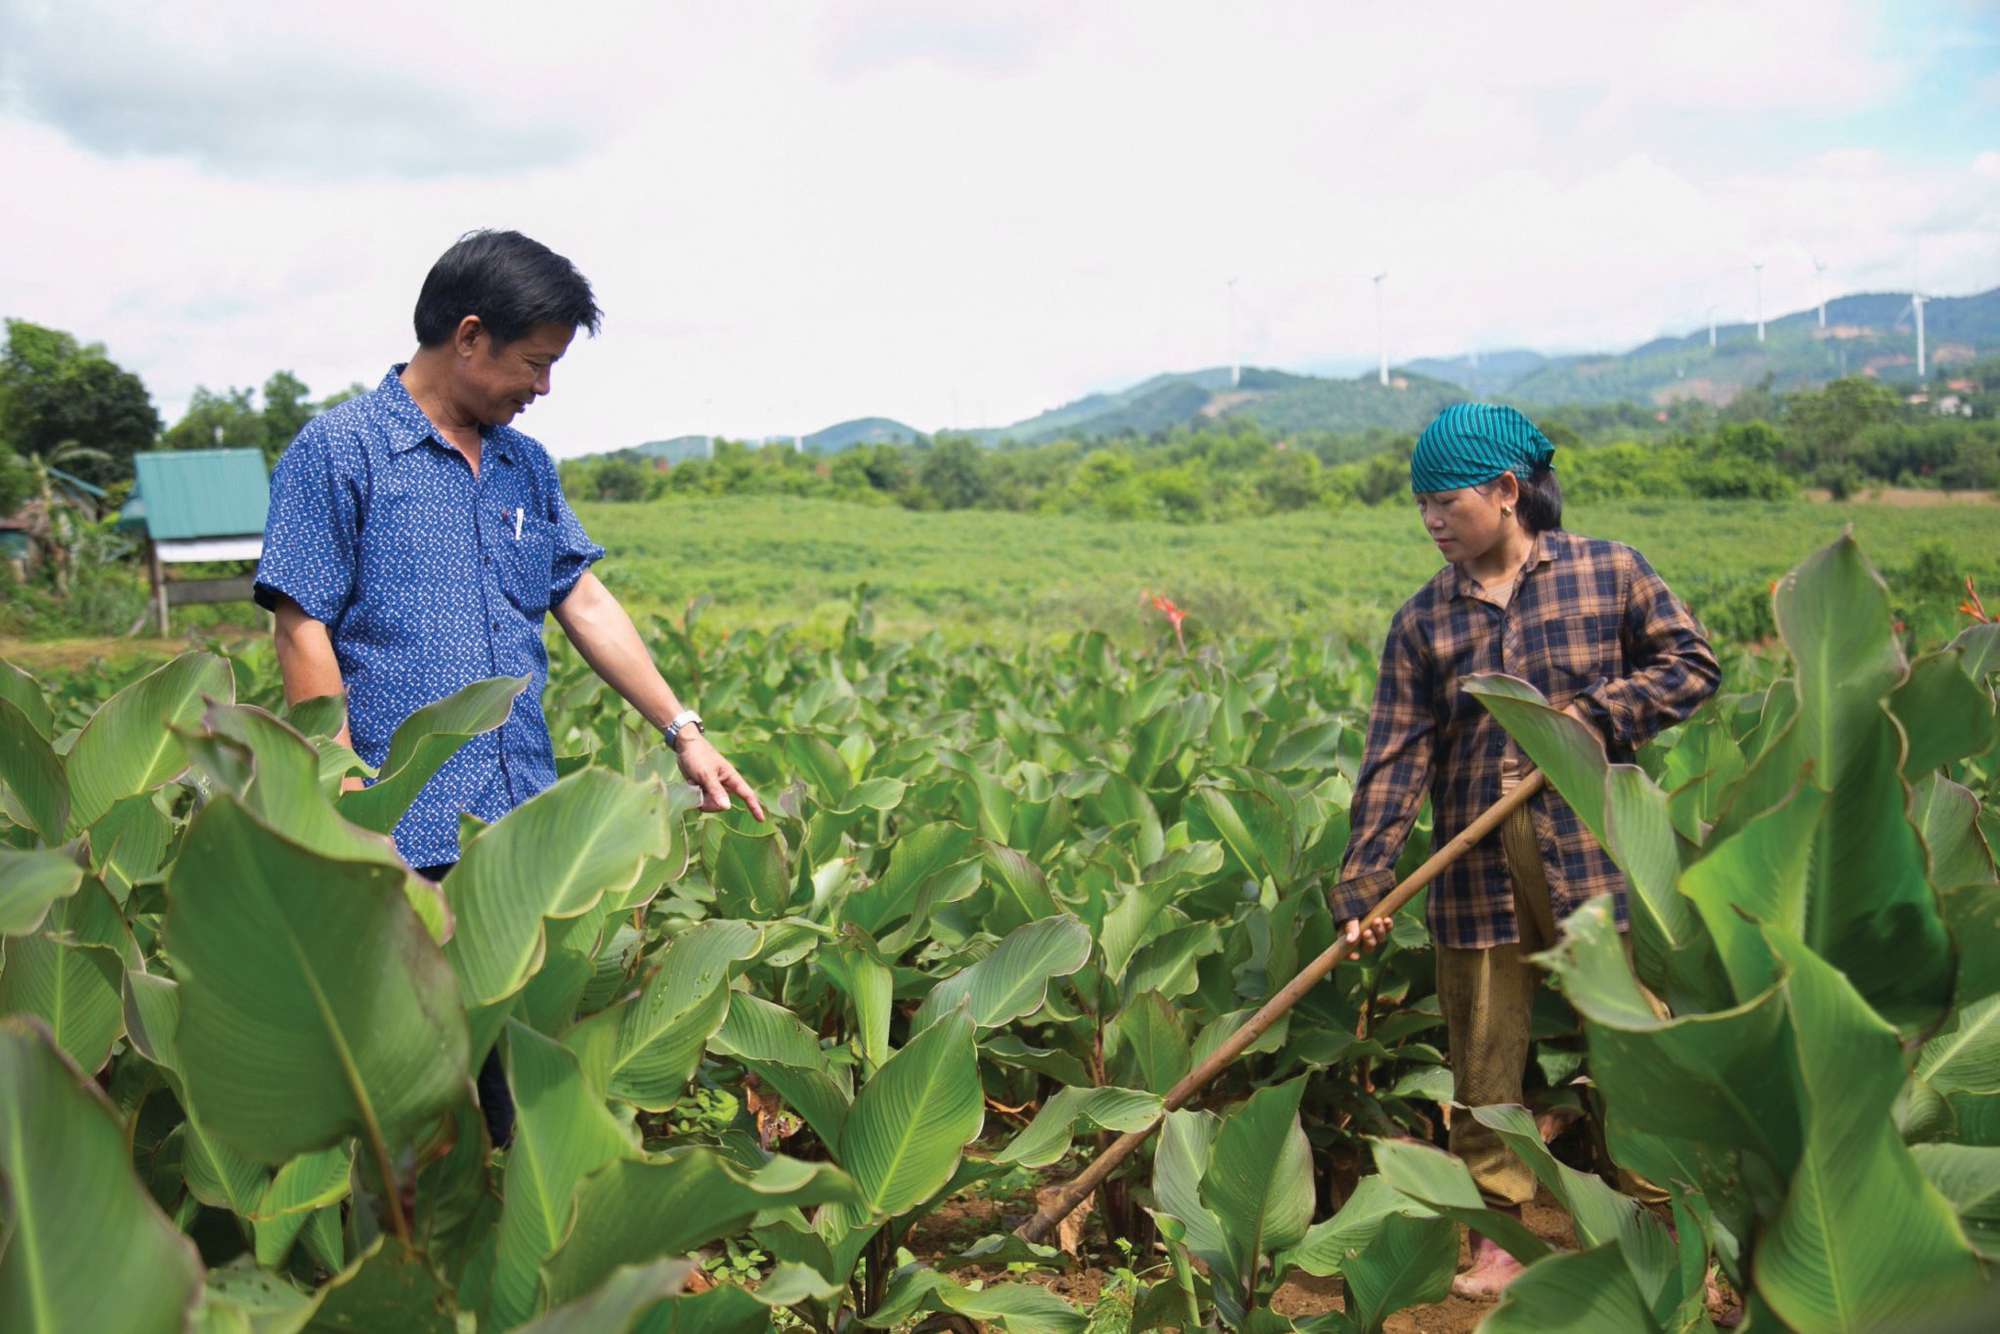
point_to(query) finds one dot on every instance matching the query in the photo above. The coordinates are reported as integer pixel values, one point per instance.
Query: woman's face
(1468, 523)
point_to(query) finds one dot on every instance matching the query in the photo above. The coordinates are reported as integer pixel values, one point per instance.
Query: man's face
(497, 381)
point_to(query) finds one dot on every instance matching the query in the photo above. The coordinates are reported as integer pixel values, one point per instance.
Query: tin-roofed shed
(198, 505)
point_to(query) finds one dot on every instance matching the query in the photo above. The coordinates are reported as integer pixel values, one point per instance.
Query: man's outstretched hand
(702, 764)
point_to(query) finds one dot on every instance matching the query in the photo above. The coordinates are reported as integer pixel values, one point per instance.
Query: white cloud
(955, 214)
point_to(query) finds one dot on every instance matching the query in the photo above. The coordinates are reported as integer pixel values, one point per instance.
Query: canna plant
(1030, 888)
(1812, 895)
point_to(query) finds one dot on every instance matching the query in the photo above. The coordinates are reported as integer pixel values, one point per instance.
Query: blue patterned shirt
(427, 579)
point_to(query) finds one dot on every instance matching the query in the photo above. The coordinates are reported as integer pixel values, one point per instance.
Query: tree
(54, 391)
(226, 420)
(952, 474)
(16, 482)
(233, 419)
(1825, 422)
(287, 408)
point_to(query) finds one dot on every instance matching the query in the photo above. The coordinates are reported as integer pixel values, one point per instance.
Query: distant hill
(673, 451)
(1488, 373)
(860, 431)
(1277, 400)
(1869, 334)
(1088, 414)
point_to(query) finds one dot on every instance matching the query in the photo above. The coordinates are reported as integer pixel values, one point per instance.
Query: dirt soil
(964, 1221)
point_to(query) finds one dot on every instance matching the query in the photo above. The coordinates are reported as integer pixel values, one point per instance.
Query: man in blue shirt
(416, 541)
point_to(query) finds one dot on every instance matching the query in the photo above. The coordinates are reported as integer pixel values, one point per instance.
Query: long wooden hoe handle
(1088, 1180)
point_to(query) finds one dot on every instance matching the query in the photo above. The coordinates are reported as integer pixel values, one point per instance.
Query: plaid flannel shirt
(1589, 623)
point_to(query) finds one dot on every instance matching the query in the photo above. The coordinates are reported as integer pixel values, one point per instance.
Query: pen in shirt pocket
(517, 523)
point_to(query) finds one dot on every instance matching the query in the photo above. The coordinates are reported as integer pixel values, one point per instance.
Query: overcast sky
(962, 212)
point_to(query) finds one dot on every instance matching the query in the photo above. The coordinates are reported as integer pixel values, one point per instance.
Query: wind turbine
(1819, 282)
(1759, 266)
(1916, 308)
(1381, 332)
(1235, 365)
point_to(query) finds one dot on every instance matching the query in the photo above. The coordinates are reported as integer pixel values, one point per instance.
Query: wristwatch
(672, 730)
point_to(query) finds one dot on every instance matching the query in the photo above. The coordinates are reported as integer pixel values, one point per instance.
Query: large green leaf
(1583, 1292)
(390, 1287)
(276, 774)
(129, 746)
(554, 856)
(1946, 715)
(1145, 1045)
(1011, 982)
(909, 1123)
(629, 1212)
(1754, 876)
(1862, 1236)
(859, 971)
(561, 1131)
(915, 859)
(746, 864)
(19, 689)
(421, 745)
(33, 772)
(1720, 1078)
(1871, 911)
(1966, 1056)
(1442, 1184)
(1019, 1308)
(1968, 1177)
(1407, 1261)
(1626, 811)
(71, 973)
(82, 1245)
(644, 1049)
(1258, 1184)
(1947, 818)
(1600, 1213)
(771, 1041)
(1136, 917)
(29, 883)
(1020, 890)
(1186, 1138)
(314, 1004)
(616, 1305)
(1250, 824)
(1046, 1139)
(216, 1173)
(1329, 1246)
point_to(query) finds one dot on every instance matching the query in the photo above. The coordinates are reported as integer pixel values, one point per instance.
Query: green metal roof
(189, 493)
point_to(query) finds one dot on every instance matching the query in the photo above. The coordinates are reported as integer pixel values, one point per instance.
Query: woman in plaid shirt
(1589, 624)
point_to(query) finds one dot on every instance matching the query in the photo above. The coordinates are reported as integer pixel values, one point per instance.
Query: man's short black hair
(512, 283)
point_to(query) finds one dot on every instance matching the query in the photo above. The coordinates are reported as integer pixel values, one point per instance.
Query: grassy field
(1008, 577)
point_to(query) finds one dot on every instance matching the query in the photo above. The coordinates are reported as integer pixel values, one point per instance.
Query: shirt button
(496, 625)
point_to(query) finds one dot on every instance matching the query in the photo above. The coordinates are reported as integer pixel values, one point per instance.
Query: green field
(976, 574)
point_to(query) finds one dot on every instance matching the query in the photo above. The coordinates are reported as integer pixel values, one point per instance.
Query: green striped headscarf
(1470, 443)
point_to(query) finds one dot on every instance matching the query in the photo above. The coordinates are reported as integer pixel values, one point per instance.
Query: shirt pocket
(527, 564)
(1584, 650)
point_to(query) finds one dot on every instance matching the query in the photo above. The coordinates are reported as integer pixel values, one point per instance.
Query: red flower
(1165, 606)
(1972, 606)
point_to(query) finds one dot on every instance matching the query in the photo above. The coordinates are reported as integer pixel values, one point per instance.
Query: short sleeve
(575, 552)
(309, 534)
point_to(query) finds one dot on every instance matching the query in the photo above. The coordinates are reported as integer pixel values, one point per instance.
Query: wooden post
(159, 585)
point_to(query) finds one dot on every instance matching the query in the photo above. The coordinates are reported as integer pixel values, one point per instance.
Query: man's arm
(604, 634)
(306, 660)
